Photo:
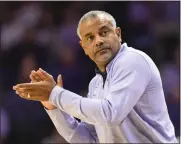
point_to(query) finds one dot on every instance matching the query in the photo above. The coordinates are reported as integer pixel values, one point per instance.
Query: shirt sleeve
(129, 78)
(70, 129)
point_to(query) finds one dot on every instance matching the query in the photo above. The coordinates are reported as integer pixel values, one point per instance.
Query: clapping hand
(40, 88)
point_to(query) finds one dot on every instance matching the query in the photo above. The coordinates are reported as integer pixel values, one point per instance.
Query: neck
(102, 68)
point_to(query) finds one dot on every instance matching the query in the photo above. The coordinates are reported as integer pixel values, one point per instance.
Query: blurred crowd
(43, 34)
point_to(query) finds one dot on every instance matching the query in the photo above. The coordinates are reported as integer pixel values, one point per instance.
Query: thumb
(59, 80)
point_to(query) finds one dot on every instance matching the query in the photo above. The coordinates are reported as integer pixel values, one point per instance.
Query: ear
(80, 42)
(118, 32)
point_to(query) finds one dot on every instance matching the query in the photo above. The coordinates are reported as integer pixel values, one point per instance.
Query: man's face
(100, 40)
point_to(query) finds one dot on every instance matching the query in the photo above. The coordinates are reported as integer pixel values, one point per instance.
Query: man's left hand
(39, 91)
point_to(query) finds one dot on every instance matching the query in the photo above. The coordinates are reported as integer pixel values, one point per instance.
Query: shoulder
(131, 58)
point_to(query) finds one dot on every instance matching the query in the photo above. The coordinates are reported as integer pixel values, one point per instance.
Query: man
(125, 101)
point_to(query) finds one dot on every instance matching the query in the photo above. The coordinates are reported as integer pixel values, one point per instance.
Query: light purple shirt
(129, 108)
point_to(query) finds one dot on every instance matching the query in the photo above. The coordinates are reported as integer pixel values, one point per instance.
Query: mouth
(102, 50)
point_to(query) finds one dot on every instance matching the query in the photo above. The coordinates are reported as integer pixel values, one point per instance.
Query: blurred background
(43, 34)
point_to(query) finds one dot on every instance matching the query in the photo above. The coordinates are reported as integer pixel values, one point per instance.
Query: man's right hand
(41, 75)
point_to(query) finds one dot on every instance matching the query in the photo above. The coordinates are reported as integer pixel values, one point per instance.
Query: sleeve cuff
(57, 91)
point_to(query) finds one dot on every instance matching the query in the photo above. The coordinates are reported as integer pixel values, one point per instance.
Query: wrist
(48, 105)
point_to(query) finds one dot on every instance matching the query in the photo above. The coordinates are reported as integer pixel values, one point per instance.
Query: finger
(27, 85)
(45, 75)
(37, 76)
(17, 92)
(25, 90)
(41, 74)
(28, 95)
(25, 96)
(22, 95)
(14, 87)
(59, 80)
(33, 79)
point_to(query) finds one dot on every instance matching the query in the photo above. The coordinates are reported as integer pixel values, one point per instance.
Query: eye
(104, 33)
(89, 38)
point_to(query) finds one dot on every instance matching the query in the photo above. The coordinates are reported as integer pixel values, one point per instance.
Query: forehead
(94, 24)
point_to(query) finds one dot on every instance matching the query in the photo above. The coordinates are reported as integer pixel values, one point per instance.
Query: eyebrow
(88, 34)
(102, 28)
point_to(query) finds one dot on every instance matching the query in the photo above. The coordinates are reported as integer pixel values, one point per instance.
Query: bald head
(95, 14)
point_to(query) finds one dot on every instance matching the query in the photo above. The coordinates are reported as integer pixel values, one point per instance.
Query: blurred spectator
(171, 78)
(25, 18)
(26, 66)
(66, 65)
(17, 52)
(45, 29)
(166, 18)
(30, 123)
(26, 116)
(139, 15)
(68, 27)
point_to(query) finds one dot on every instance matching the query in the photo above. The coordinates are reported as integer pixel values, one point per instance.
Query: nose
(99, 41)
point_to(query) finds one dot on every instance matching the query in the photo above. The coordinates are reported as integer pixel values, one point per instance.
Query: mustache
(100, 48)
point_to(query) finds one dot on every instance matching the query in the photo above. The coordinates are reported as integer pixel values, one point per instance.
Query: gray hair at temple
(94, 14)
